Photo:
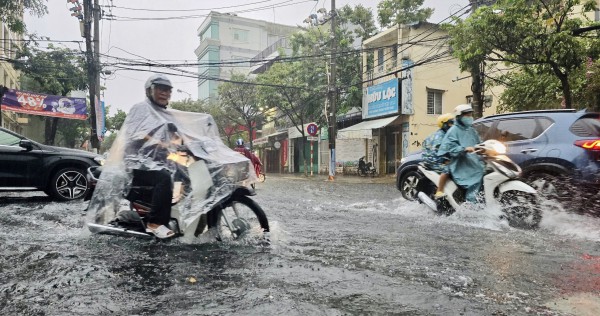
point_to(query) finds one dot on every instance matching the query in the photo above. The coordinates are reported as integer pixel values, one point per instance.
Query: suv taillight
(590, 144)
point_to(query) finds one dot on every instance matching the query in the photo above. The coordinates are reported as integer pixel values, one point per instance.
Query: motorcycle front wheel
(521, 209)
(241, 219)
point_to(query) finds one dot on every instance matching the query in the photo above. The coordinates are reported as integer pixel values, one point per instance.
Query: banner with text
(44, 104)
(381, 99)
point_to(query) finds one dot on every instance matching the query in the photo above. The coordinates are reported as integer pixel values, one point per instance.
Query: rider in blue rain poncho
(465, 166)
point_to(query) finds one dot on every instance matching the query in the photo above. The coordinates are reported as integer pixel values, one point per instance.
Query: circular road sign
(312, 129)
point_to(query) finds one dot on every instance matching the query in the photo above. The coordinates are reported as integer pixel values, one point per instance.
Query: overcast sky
(176, 39)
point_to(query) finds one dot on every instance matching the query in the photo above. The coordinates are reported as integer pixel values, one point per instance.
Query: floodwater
(342, 248)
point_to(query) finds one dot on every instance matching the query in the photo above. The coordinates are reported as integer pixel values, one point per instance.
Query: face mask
(467, 121)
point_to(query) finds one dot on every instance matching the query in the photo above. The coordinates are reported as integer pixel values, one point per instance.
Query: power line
(130, 19)
(186, 10)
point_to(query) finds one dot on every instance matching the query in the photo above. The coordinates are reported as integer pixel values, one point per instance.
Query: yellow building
(9, 77)
(410, 78)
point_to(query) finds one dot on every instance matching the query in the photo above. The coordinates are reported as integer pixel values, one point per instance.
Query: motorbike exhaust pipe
(423, 198)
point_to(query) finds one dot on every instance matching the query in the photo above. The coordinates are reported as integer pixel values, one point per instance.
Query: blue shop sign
(382, 99)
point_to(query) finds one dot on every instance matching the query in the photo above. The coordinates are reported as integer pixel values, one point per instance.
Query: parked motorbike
(501, 189)
(365, 168)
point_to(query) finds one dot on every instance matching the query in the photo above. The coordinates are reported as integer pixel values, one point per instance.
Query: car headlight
(100, 160)
(403, 160)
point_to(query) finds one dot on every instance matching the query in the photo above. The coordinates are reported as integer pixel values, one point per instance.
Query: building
(410, 79)
(9, 77)
(228, 43)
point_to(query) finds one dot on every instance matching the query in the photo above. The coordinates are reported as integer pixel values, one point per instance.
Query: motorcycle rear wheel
(241, 219)
(521, 209)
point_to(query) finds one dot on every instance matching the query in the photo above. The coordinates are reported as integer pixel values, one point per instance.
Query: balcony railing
(282, 42)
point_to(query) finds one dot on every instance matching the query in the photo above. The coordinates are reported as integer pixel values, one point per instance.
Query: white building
(228, 43)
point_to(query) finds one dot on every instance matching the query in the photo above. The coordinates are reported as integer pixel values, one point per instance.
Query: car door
(523, 137)
(18, 166)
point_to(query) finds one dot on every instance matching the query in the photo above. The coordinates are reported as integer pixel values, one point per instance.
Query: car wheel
(409, 185)
(548, 185)
(68, 184)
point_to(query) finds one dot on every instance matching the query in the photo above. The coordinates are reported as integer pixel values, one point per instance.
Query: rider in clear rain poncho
(465, 166)
(146, 150)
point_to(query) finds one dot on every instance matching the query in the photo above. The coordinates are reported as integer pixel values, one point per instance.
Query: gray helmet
(158, 79)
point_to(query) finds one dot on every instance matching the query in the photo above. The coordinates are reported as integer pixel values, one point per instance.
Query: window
(517, 129)
(380, 59)
(483, 129)
(7, 139)
(587, 126)
(434, 101)
(394, 55)
(240, 36)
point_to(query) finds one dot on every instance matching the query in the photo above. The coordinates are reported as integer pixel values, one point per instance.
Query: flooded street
(342, 248)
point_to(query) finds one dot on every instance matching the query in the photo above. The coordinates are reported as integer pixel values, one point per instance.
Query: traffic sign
(312, 129)
(312, 138)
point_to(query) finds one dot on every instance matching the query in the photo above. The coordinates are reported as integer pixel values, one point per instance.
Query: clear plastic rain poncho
(152, 138)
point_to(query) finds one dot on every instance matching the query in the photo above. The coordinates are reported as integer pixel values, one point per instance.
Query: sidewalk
(391, 179)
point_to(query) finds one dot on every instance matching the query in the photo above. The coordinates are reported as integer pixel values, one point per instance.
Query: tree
(392, 12)
(113, 126)
(56, 71)
(356, 24)
(240, 103)
(536, 35)
(11, 12)
(290, 94)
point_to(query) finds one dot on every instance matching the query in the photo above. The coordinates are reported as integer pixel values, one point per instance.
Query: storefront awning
(364, 129)
(265, 139)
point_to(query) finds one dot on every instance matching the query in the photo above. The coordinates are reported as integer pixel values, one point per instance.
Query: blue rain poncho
(466, 168)
(432, 160)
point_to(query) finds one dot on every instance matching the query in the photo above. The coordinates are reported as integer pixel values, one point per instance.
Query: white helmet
(462, 108)
(158, 79)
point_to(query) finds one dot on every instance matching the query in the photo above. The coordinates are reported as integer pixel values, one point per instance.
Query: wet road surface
(342, 248)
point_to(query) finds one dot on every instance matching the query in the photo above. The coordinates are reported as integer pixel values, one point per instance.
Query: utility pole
(476, 78)
(332, 91)
(89, 15)
(95, 138)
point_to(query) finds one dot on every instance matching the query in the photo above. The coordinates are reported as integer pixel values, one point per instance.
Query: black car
(59, 172)
(558, 151)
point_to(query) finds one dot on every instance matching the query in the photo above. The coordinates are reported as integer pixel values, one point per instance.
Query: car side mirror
(27, 144)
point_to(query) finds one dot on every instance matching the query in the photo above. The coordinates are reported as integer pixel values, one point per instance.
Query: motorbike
(211, 183)
(501, 189)
(365, 168)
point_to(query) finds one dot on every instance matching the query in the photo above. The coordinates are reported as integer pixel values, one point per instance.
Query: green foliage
(536, 35)
(360, 17)
(115, 122)
(56, 71)
(10, 12)
(392, 12)
(240, 104)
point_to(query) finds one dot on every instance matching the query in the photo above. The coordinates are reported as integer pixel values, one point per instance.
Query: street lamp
(189, 94)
